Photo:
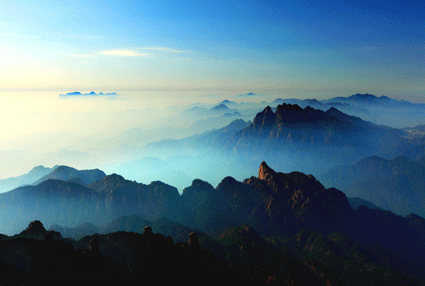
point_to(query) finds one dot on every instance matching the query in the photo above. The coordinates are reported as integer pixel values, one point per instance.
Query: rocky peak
(270, 177)
(292, 113)
(284, 107)
(287, 184)
(264, 171)
(265, 118)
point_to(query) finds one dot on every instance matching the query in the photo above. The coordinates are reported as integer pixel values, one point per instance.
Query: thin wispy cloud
(163, 49)
(84, 56)
(123, 53)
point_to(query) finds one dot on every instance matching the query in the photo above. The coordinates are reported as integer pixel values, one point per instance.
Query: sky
(290, 48)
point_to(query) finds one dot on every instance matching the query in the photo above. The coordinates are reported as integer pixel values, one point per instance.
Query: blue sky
(267, 47)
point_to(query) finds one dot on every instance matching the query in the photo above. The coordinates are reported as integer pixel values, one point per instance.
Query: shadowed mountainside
(314, 137)
(395, 184)
(274, 204)
(37, 256)
(292, 138)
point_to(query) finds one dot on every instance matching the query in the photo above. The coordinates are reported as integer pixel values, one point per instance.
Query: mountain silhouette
(35, 174)
(274, 204)
(220, 108)
(66, 173)
(311, 139)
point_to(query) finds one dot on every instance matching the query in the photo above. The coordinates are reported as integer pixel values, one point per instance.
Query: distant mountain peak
(64, 168)
(362, 96)
(39, 167)
(369, 98)
(227, 102)
(220, 107)
(66, 173)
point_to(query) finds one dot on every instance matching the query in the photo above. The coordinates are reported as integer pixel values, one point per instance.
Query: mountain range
(282, 227)
(270, 223)
(40, 173)
(380, 110)
(274, 204)
(292, 138)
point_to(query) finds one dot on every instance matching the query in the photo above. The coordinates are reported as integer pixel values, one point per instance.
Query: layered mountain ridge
(273, 203)
(265, 217)
(289, 213)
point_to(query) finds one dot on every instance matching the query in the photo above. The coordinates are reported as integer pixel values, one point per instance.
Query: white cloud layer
(123, 53)
(84, 56)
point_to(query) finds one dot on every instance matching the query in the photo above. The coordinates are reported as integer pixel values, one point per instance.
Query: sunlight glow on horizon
(229, 44)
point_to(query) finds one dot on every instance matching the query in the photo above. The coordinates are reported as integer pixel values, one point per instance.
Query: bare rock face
(193, 240)
(295, 200)
(264, 120)
(264, 171)
(296, 185)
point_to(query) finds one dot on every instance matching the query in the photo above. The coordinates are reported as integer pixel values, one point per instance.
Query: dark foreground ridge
(285, 228)
(40, 257)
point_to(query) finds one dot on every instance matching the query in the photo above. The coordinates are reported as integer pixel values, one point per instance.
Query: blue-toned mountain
(26, 179)
(396, 184)
(66, 173)
(313, 140)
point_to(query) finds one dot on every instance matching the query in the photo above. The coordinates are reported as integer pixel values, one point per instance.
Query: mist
(148, 136)
(44, 128)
